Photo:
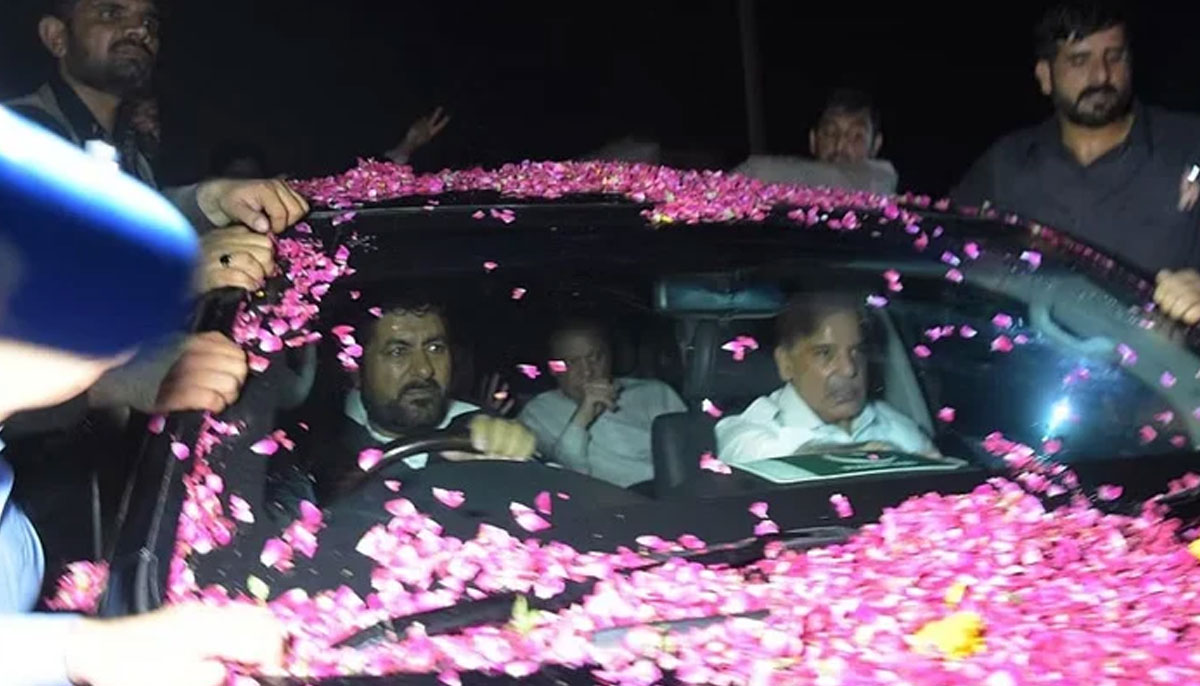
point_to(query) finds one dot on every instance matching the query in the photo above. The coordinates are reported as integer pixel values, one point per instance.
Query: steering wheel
(432, 441)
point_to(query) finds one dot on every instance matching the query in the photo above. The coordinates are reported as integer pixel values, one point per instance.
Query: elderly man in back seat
(821, 357)
(594, 423)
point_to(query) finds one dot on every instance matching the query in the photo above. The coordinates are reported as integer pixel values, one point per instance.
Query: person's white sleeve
(566, 445)
(748, 438)
(671, 401)
(33, 649)
(906, 433)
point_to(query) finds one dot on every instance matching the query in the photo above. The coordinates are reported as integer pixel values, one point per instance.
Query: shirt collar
(79, 117)
(1048, 136)
(356, 411)
(795, 413)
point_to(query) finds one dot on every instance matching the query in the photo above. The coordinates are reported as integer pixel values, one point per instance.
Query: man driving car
(821, 355)
(403, 391)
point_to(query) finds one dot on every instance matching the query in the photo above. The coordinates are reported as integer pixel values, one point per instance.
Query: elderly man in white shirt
(820, 355)
(593, 423)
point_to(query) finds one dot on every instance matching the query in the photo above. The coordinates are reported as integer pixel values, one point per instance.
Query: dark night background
(318, 83)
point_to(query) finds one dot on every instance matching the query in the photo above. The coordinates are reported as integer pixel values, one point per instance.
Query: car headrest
(717, 374)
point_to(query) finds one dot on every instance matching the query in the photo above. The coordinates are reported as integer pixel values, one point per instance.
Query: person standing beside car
(1105, 167)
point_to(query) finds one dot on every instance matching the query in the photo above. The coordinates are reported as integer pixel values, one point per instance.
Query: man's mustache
(132, 43)
(430, 386)
(1097, 90)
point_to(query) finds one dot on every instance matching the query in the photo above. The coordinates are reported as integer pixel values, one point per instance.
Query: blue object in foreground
(91, 260)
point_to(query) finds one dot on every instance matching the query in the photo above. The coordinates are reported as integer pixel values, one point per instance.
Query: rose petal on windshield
(841, 505)
(710, 408)
(972, 250)
(1052, 446)
(543, 503)
(1109, 492)
(967, 331)
(946, 414)
(1147, 434)
(527, 519)
(180, 450)
(922, 351)
(876, 301)
(557, 366)
(156, 424)
(531, 371)
(400, 507)
(310, 515)
(951, 259)
(759, 509)
(276, 554)
(518, 293)
(1128, 355)
(954, 276)
(376, 312)
(267, 446)
(765, 528)
(1167, 379)
(369, 458)
(239, 509)
(1002, 321)
(490, 266)
(478, 214)
(355, 295)
(1032, 257)
(451, 499)
(392, 485)
(1002, 344)
(710, 463)
(1165, 417)
(1179, 441)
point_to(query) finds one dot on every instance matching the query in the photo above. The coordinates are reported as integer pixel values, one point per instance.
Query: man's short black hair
(851, 100)
(1075, 20)
(63, 9)
(804, 312)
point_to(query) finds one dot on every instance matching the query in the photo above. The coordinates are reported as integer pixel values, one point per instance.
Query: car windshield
(871, 378)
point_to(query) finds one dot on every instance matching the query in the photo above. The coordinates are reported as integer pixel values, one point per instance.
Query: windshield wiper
(498, 609)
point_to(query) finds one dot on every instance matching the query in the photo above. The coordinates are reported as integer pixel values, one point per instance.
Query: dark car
(1057, 399)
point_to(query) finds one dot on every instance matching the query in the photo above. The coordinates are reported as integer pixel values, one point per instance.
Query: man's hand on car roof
(237, 257)
(265, 205)
(185, 645)
(207, 376)
(1178, 294)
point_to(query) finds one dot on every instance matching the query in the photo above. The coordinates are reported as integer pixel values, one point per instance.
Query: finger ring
(226, 260)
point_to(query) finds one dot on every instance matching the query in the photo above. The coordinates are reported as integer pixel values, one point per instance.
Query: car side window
(983, 369)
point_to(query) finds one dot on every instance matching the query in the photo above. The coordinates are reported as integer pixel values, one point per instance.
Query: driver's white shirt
(779, 424)
(357, 412)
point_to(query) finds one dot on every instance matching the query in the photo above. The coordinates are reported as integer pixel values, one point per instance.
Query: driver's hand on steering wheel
(500, 439)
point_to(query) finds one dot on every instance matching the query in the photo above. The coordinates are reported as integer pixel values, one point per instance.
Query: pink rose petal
(946, 414)
(765, 528)
(877, 301)
(518, 293)
(1147, 434)
(451, 499)
(369, 458)
(355, 295)
(310, 515)
(1052, 446)
(490, 266)
(1033, 258)
(1179, 441)
(543, 503)
(239, 509)
(276, 554)
(1165, 417)
(257, 363)
(179, 450)
(954, 276)
(967, 331)
(1002, 344)
(841, 505)
(1167, 380)
(156, 424)
(527, 519)
(1002, 321)
(1108, 492)
(710, 408)
(922, 351)
(558, 366)
(759, 509)
(1128, 355)
(710, 463)
(376, 312)
(972, 250)
(266, 446)
(392, 485)
(531, 371)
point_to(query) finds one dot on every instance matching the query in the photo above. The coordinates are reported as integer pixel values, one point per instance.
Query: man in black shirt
(1107, 168)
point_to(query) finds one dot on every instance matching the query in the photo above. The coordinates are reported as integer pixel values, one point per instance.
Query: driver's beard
(1072, 109)
(402, 418)
(115, 76)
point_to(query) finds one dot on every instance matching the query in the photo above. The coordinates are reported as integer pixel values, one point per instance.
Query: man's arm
(741, 440)
(33, 649)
